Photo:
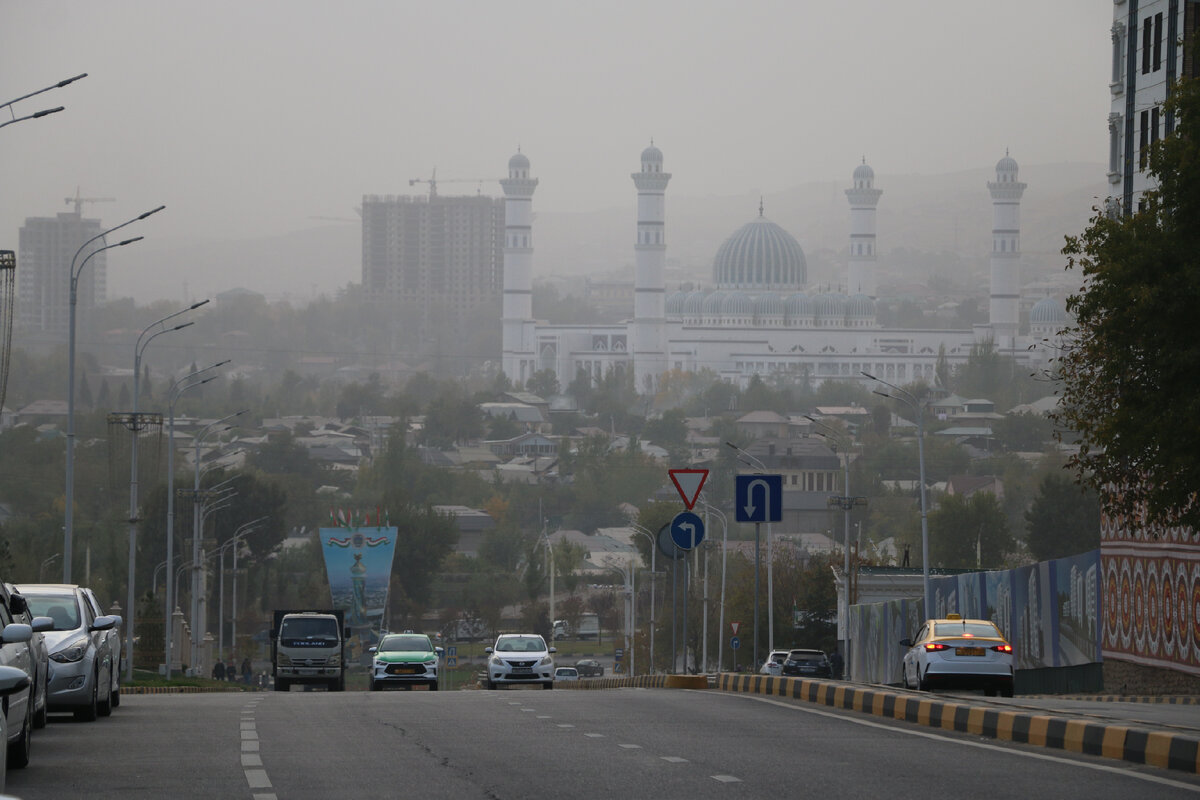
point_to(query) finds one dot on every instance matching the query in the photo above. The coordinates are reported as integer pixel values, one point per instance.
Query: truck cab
(308, 647)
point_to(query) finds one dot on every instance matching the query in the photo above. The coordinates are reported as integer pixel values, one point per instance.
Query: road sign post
(757, 499)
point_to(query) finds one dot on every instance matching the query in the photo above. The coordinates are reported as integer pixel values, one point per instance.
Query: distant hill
(935, 214)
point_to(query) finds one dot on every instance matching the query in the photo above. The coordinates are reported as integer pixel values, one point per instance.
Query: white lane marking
(726, 779)
(984, 745)
(630, 746)
(270, 796)
(529, 709)
(594, 735)
(251, 760)
(565, 725)
(674, 759)
(249, 734)
(248, 726)
(257, 778)
(543, 716)
(249, 747)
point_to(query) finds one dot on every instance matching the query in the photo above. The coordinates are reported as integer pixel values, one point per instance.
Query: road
(525, 743)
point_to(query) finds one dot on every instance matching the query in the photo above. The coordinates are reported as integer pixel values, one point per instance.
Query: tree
(1064, 520)
(969, 532)
(543, 383)
(1130, 371)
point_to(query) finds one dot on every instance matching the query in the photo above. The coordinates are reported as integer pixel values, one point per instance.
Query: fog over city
(254, 122)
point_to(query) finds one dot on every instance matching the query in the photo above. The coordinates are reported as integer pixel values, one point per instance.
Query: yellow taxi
(958, 653)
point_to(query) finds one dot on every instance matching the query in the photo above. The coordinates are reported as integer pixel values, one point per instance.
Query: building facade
(46, 247)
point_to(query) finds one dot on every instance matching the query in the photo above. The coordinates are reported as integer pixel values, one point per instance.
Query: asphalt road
(523, 743)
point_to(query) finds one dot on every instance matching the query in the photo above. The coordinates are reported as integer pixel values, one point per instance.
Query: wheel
(491, 685)
(548, 685)
(922, 683)
(989, 691)
(18, 751)
(372, 685)
(282, 684)
(87, 713)
(104, 702)
(341, 683)
(40, 717)
(1006, 691)
(116, 695)
(433, 686)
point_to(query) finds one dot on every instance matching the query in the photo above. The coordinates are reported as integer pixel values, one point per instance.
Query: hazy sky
(249, 118)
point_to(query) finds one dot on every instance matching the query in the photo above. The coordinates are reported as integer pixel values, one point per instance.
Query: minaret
(518, 358)
(863, 197)
(649, 329)
(1004, 309)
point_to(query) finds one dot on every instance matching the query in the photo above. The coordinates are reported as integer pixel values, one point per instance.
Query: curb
(640, 681)
(178, 690)
(1164, 699)
(1137, 745)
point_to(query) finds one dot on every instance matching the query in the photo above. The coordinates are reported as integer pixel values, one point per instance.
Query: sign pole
(757, 569)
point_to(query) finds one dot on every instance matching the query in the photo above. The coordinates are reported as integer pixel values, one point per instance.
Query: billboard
(358, 561)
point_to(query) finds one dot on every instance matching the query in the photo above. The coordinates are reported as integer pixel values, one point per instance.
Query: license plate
(968, 651)
(402, 670)
(522, 670)
(307, 671)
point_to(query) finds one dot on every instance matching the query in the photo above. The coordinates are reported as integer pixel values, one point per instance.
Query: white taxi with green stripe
(404, 659)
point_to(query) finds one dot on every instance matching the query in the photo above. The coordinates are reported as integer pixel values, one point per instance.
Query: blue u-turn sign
(758, 498)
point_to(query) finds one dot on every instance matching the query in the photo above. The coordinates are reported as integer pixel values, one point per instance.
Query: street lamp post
(189, 381)
(918, 408)
(230, 544)
(653, 576)
(724, 552)
(136, 424)
(248, 528)
(69, 500)
(762, 468)
(37, 114)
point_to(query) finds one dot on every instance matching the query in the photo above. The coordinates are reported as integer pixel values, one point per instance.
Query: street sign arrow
(687, 530)
(758, 498)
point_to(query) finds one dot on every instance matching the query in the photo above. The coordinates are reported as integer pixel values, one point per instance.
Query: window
(1142, 139)
(1158, 40)
(1147, 44)
(1154, 125)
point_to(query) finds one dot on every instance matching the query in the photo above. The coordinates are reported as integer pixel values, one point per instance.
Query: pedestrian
(836, 664)
(218, 671)
(247, 671)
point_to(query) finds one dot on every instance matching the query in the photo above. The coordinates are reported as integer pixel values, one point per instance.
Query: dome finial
(864, 158)
(760, 205)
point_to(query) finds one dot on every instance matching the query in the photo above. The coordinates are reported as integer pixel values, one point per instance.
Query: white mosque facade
(761, 317)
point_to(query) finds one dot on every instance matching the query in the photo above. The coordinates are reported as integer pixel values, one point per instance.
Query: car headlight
(497, 661)
(431, 662)
(546, 661)
(285, 660)
(71, 653)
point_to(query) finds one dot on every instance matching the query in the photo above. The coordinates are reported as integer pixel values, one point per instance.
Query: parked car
(404, 659)
(566, 674)
(520, 658)
(116, 646)
(959, 653)
(807, 664)
(80, 644)
(12, 680)
(589, 668)
(774, 663)
(37, 645)
(15, 652)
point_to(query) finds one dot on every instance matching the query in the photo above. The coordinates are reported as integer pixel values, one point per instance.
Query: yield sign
(735, 626)
(688, 482)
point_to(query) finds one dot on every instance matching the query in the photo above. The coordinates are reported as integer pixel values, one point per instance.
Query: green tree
(1064, 520)
(969, 532)
(543, 383)
(1130, 371)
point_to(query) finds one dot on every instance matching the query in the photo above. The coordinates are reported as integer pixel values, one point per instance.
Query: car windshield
(521, 644)
(405, 643)
(309, 629)
(63, 610)
(967, 630)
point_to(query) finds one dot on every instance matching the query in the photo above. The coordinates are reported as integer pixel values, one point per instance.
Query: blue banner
(358, 562)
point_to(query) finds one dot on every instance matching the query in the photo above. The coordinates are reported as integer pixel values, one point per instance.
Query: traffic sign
(758, 498)
(688, 482)
(735, 626)
(667, 546)
(734, 642)
(687, 530)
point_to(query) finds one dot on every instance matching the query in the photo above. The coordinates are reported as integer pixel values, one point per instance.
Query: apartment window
(1114, 143)
(1154, 125)
(1118, 56)
(1143, 133)
(1158, 40)
(1147, 44)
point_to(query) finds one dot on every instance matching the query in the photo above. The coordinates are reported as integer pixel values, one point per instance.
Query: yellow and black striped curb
(638, 681)
(1124, 742)
(1166, 699)
(179, 689)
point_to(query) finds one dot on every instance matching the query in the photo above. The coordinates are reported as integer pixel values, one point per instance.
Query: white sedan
(774, 663)
(958, 653)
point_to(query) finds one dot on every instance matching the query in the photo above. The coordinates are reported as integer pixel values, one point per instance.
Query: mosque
(761, 317)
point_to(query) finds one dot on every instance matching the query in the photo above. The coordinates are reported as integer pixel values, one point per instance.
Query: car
(774, 663)
(80, 645)
(404, 660)
(519, 658)
(15, 651)
(12, 681)
(41, 659)
(566, 674)
(589, 668)
(807, 664)
(116, 646)
(958, 653)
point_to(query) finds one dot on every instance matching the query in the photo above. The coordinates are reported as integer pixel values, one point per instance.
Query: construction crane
(79, 201)
(432, 180)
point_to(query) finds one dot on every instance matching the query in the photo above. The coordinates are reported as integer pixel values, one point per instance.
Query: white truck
(309, 647)
(588, 628)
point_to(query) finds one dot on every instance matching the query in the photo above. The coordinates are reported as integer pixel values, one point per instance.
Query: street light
(135, 427)
(229, 543)
(724, 553)
(638, 529)
(918, 408)
(627, 575)
(69, 501)
(176, 390)
(249, 528)
(762, 468)
(38, 114)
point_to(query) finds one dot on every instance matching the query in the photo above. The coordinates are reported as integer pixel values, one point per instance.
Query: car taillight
(1003, 648)
(936, 646)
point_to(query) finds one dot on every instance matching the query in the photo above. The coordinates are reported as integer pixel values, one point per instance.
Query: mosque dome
(1006, 164)
(712, 303)
(652, 155)
(863, 173)
(737, 304)
(830, 306)
(860, 306)
(799, 305)
(769, 304)
(693, 306)
(674, 303)
(761, 256)
(519, 161)
(1047, 311)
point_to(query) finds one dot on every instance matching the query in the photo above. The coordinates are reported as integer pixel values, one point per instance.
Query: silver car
(82, 659)
(15, 653)
(520, 658)
(37, 646)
